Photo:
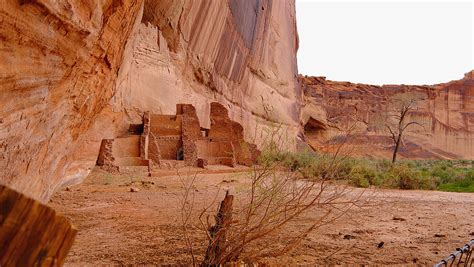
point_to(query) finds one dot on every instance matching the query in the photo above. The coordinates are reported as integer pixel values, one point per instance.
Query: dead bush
(277, 209)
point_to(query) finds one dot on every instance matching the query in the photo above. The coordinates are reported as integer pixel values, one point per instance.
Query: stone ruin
(178, 140)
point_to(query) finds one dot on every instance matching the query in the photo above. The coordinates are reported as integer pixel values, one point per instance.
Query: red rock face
(73, 73)
(241, 54)
(446, 113)
(58, 65)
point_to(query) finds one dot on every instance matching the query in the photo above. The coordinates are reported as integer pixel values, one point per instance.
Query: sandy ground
(117, 226)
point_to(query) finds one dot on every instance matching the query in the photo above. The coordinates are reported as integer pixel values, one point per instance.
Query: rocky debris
(349, 237)
(225, 181)
(396, 218)
(202, 163)
(134, 189)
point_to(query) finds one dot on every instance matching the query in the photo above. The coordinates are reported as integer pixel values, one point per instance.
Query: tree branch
(394, 138)
(411, 123)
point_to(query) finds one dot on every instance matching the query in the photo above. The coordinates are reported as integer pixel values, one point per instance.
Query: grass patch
(457, 187)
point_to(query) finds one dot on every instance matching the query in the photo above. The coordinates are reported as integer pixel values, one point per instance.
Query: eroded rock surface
(241, 54)
(73, 73)
(59, 61)
(446, 112)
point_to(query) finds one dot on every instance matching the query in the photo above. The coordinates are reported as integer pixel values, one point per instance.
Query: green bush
(447, 175)
(443, 172)
(470, 175)
(404, 177)
(464, 184)
(363, 175)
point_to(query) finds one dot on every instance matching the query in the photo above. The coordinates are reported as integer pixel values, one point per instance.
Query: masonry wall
(126, 147)
(106, 157)
(180, 137)
(169, 146)
(223, 129)
(191, 133)
(163, 125)
(210, 149)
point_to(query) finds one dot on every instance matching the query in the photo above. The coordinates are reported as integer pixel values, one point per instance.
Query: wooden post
(31, 234)
(217, 244)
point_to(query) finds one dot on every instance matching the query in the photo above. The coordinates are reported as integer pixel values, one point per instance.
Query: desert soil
(117, 226)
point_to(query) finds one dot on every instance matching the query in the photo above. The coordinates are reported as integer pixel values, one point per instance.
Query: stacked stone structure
(179, 140)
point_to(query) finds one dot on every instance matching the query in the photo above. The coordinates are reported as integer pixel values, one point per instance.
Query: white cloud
(385, 42)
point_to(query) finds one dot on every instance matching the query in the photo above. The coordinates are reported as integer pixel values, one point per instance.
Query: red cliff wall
(241, 54)
(75, 72)
(446, 113)
(59, 62)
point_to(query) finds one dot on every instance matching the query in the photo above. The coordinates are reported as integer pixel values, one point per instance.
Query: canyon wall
(445, 112)
(75, 72)
(59, 61)
(241, 54)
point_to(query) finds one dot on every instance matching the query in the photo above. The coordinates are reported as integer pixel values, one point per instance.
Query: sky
(385, 42)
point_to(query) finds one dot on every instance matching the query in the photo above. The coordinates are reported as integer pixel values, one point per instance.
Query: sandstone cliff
(446, 112)
(59, 63)
(239, 53)
(75, 72)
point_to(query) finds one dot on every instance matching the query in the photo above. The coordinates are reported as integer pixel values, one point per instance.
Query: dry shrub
(277, 210)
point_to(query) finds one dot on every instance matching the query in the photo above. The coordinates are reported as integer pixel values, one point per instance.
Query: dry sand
(117, 226)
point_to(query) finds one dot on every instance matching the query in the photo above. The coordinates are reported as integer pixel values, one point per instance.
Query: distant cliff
(75, 72)
(446, 113)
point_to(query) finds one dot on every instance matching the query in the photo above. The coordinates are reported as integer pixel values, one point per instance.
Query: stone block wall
(126, 150)
(106, 157)
(165, 125)
(126, 146)
(208, 149)
(245, 153)
(191, 132)
(165, 137)
(169, 147)
(154, 153)
(223, 129)
(221, 125)
(180, 137)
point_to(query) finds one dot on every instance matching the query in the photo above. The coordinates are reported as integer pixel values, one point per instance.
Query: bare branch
(394, 138)
(412, 123)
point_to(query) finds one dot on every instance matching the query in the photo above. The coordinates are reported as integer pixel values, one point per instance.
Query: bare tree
(397, 119)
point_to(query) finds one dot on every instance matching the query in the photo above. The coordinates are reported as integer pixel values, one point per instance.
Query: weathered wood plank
(31, 234)
(218, 232)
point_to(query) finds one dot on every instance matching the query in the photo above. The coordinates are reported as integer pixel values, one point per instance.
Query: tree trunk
(31, 234)
(395, 151)
(217, 245)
